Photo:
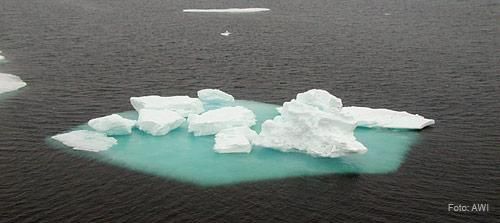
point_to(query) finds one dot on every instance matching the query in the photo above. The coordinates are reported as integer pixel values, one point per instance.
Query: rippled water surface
(84, 59)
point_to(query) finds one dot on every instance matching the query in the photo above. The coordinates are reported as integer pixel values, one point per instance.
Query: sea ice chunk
(9, 82)
(158, 122)
(112, 125)
(385, 118)
(184, 105)
(234, 140)
(86, 140)
(229, 10)
(311, 125)
(320, 99)
(2, 57)
(214, 98)
(213, 121)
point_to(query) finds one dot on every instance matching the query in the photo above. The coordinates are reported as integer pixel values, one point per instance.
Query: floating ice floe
(234, 140)
(213, 98)
(112, 125)
(229, 10)
(184, 105)
(385, 118)
(9, 82)
(213, 121)
(227, 33)
(158, 122)
(1, 57)
(312, 123)
(86, 140)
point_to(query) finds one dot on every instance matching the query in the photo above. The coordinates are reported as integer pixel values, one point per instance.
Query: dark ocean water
(85, 58)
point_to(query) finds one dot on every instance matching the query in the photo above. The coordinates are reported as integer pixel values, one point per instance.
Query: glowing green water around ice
(184, 157)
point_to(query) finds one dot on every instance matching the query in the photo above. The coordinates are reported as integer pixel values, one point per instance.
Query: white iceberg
(312, 124)
(385, 118)
(86, 140)
(213, 121)
(158, 122)
(320, 99)
(112, 125)
(227, 33)
(9, 82)
(234, 140)
(184, 105)
(229, 10)
(213, 98)
(2, 57)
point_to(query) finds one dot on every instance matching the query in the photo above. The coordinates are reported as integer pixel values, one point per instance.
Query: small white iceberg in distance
(229, 10)
(385, 118)
(213, 121)
(9, 82)
(86, 140)
(227, 33)
(112, 125)
(159, 122)
(234, 140)
(184, 105)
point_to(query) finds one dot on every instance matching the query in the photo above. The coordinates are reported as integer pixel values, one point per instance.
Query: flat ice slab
(9, 82)
(213, 121)
(385, 118)
(229, 10)
(184, 105)
(112, 125)
(86, 140)
(215, 96)
(158, 122)
(234, 140)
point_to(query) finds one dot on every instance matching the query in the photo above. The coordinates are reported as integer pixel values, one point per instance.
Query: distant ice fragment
(234, 140)
(158, 122)
(1, 57)
(112, 125)
(9, 82)
(214, 98)
(213, 121)
(184, 105)
(385, 118)
(227, 33)
(229, 10)
(86, 140)
(312, 123)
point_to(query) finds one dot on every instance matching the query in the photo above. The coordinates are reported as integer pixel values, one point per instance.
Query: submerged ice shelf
(184, 157)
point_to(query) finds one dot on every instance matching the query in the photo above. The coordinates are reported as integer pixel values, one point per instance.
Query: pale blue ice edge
(184, 157)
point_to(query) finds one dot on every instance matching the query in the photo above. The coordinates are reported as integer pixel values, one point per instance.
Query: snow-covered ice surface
(86, 140)
(229, 10)
(234, 140)
(215, 96)
(112, 125)
(213, 121)
(184, 105)
(385, 118)
(158, 122)
(312, 124)
(9, 82)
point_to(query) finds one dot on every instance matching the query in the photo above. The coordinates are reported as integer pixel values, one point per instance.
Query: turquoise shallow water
(184, 157)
